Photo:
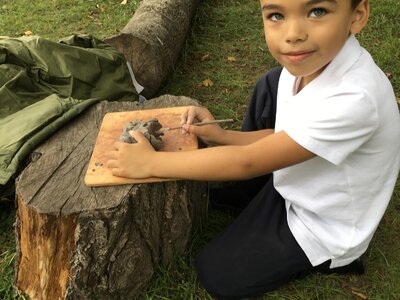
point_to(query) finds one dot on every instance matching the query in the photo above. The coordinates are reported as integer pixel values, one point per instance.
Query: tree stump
(153, 39)
(77, 242)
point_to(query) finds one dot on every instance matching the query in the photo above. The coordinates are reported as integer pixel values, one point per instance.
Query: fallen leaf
(124, 2)
(208, 83)
(28, 33)
(389, 75)
(205, 57)
(231, 58)
(358, 294)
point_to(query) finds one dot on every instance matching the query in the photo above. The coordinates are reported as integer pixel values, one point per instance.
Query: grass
(226, 46)
(55, 19)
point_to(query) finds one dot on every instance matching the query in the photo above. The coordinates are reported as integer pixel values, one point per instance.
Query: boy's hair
(354, 3)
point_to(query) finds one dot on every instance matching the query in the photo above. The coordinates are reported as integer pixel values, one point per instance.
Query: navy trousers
(257, 253)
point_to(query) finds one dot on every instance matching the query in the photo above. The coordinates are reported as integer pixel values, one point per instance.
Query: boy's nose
(296, 32)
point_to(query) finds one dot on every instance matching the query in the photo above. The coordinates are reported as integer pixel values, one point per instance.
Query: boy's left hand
(131, 160)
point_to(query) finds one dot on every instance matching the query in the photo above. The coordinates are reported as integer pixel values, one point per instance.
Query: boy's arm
(275, 151)
(223, 137)
(214, 134)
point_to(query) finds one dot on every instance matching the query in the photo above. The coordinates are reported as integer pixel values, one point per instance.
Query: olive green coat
(44, 84)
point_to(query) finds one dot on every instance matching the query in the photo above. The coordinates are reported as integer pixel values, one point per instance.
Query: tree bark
(77, 242)
(153, 39)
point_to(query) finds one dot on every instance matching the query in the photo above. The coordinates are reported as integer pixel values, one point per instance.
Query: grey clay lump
(150, 129)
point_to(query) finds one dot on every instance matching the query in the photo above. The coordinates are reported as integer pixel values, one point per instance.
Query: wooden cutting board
(111, 128)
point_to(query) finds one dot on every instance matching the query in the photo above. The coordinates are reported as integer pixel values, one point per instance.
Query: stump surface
(78, 242)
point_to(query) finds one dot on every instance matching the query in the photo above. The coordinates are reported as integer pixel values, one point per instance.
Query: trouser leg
(255, 254)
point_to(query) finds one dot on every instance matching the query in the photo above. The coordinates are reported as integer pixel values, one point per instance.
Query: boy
(327, 143)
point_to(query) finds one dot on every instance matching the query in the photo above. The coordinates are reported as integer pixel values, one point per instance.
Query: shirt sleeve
(335, 126)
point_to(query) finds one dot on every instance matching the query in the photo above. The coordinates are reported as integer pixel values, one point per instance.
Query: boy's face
(305, 35)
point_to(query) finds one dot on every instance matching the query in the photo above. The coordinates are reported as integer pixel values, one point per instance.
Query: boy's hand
(196, 114)
(207, 133)
(132, 160)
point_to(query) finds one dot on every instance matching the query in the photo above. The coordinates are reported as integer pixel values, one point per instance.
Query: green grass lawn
(226, 45)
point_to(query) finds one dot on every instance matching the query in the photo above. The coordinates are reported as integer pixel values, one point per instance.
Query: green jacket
(44, 84)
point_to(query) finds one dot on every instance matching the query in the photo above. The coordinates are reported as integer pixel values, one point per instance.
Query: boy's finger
(113, 154)
(196, 130)
(138, 136)
(184, 117)
(191, 115)
(112, 163)
(116, 172)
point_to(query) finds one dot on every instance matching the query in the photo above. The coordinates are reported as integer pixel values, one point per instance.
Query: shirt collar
(343, 61)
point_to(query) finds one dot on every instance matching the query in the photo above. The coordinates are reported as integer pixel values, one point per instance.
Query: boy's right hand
(196, 114)
(207, 133)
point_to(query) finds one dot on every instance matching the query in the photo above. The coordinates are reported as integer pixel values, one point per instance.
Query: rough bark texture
(76, 242)
(153, 39)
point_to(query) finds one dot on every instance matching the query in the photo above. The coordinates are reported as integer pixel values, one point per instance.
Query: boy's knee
(211, 276)
(218, 276)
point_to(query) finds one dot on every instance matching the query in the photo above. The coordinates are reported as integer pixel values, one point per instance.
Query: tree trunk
(77, 242)
(153, 39)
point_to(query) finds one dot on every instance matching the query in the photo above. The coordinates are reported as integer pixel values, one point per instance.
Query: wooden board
(111, 128)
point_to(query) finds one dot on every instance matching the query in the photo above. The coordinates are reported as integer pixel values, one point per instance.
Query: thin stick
(199, 124)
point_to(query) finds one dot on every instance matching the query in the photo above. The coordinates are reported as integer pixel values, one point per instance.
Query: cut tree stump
(77, 242)
(153, 39)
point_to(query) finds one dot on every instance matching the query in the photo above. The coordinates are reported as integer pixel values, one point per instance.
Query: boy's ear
(360, 17)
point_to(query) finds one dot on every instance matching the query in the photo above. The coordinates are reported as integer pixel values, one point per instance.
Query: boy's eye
(275, 17)
(317, 12)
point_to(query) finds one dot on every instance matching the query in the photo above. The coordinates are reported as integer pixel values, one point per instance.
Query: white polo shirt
(349, 118)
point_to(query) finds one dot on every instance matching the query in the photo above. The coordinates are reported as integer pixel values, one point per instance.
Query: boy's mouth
(298, 56)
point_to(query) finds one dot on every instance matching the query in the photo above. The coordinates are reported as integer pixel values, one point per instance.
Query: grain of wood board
(98, 174)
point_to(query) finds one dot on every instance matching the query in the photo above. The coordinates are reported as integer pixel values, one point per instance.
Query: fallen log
(77, 242)
(153, 39)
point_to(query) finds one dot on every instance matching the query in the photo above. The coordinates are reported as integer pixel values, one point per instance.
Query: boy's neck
(298, 85)
(303, 81)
